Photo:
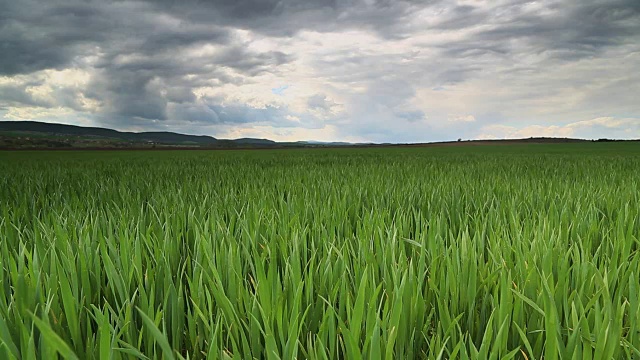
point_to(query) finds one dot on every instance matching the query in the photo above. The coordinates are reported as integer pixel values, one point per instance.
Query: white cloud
(511, 132)
(607, 122)
(461, 118)
(36, 113)
(602, 127)
(327, 133)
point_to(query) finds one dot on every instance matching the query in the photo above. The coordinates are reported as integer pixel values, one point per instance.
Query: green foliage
(519, 252)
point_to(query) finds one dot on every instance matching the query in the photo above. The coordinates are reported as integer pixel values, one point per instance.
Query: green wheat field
(464, 252)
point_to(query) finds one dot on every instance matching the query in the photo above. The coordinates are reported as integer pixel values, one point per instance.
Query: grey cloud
(519, 42)
(568, 30)
(39, 35)
(19, 94)
(287, 17)
(218, 111)
(144, 87)
(190, 112)
(16, 94)
(238, 58)
(415, 115)
(319, 101)
(385, 111)
(450, 75)
(134, 95)
(138, 54)
(180, 95)
(146, 58)
(459, 17)
(214, 112)
(28, 57)
(391, 91)
(183, 36)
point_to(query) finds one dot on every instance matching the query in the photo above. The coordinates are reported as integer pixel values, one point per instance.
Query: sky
(326, 70)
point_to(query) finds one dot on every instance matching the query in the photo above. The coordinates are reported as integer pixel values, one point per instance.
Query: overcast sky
(328, 70)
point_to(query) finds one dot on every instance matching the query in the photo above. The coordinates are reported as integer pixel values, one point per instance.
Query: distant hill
(38, 134)
(62, 129)
(254, 141)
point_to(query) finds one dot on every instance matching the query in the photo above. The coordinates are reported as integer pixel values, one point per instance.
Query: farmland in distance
(518, 251)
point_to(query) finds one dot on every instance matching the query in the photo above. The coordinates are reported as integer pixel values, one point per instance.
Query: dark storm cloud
(26, 58)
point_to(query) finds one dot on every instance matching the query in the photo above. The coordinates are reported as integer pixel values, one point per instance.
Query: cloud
(318, 101)
(615, 128)
(379, 70)
(35, 112)
(511, 132)
(284, 18)
(566, 30)
(461, 118)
